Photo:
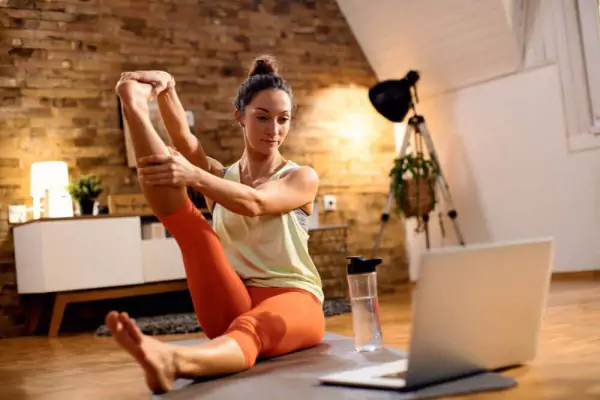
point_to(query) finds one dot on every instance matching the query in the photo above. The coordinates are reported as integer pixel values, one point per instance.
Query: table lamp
(49, 181)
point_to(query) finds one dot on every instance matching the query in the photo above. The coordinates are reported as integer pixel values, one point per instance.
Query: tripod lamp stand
(393, 99)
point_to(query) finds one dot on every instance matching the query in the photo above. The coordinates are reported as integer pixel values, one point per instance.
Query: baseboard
(575, 275)
(556, 276)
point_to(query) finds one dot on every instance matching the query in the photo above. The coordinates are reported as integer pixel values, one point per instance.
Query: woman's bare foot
(155, 357)
(130, 90)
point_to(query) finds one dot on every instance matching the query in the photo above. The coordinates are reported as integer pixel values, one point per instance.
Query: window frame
(588, 13)
(576, 53)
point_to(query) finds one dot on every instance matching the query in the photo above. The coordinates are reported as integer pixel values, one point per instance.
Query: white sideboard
(92, 258)
(91, 253)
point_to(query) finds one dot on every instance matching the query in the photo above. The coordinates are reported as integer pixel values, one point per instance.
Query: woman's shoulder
(302, 175)
(292, 166)
(230, 168)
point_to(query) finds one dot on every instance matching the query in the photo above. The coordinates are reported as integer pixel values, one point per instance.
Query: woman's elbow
(255, 207)
(253, 210)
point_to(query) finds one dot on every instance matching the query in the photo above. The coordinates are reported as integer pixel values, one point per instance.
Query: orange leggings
(265, 322)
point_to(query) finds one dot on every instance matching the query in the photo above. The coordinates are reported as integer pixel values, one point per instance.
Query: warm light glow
(352, 138)
(399, 132)
(49, 181)
(48, 175)
(345, 110)
(355, 126)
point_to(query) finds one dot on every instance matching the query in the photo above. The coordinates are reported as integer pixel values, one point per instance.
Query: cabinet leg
(60, 303)
(34, 308)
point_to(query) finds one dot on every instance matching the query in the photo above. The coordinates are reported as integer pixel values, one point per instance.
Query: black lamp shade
(393, 98)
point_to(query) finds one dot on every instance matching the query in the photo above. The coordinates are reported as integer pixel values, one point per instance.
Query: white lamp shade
(48, 175)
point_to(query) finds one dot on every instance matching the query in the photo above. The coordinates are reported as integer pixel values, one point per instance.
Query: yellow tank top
(268, 250)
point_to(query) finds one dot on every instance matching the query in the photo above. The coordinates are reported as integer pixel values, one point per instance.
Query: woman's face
(266, 120)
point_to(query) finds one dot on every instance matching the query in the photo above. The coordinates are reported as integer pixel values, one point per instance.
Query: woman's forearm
(175, 120)
(237, 198)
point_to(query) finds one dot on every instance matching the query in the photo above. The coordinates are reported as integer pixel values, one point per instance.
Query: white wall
(515, 144)
(504, 151)
(507, 149)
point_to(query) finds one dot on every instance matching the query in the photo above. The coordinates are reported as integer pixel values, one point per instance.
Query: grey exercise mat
(295, 376)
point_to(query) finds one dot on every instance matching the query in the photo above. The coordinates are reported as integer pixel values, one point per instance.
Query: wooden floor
(88, 367)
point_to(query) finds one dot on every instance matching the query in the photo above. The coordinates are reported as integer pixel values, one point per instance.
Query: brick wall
(61, 59)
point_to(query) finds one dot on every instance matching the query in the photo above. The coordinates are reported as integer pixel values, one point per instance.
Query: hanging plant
(413, 180)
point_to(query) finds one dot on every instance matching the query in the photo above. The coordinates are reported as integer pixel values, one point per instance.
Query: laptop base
(391, 377)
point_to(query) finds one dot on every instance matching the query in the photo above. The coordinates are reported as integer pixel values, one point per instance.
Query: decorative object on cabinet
(17, 213)
(85, 190)
(48, 182)
(128, 203)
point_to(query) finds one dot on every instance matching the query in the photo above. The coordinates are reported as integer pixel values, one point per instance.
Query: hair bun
(263, 65)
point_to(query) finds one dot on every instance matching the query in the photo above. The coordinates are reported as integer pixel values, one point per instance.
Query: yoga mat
(295, 376)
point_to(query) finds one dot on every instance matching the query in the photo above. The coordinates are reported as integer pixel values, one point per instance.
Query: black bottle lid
(361, 265)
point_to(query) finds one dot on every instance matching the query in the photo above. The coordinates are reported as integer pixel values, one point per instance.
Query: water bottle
(362, 287)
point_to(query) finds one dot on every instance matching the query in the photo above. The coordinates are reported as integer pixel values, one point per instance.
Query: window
(589, 27)
(576, 28)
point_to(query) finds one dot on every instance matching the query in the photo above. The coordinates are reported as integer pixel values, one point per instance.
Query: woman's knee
(280, 334)
(265, 336)
(279, 325)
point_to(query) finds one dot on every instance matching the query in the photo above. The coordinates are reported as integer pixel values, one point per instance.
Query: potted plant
(85, 191)
(413, 183)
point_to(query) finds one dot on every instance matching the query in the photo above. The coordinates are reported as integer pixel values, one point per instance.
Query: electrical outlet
(329, 202)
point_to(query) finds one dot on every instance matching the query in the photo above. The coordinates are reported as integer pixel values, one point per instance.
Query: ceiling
(452, 43)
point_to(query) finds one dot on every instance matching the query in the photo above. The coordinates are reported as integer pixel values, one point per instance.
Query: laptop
(476, 309)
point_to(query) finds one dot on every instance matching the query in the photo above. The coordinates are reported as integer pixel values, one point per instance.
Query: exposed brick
(62, 59)
(9, 191)
(86, 163)
(21, 3)
(9, 162)
(22, 52)
(22, 13)
(7, 267)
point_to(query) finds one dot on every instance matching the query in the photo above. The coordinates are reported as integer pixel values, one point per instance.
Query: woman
(255, 290)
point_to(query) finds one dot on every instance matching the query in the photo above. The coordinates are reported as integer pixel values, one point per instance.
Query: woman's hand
(159, 80)
(167, 170)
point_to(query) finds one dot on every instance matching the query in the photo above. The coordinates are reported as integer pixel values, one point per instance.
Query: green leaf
(413, 166)
(87, 187)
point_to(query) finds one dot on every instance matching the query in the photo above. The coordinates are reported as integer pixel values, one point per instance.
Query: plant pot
(86, 206)
(417, 198)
